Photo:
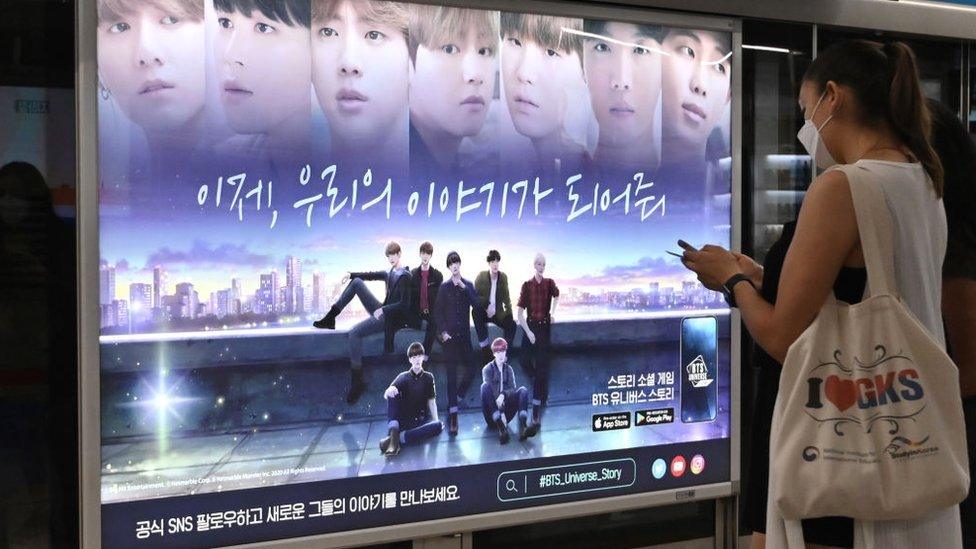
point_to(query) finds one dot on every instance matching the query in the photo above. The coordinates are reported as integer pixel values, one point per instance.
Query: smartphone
(699, 369)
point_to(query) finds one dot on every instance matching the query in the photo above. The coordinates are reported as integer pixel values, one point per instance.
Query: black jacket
(397, 313)
(397, 299)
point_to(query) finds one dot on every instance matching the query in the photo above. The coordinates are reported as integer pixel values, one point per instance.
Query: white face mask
(416, 364)
(809, 136)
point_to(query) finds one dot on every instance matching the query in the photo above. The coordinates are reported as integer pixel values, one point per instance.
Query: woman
(958, 154)
(865, 106)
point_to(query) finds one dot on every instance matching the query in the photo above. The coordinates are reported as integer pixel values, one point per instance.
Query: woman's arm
(826, 233)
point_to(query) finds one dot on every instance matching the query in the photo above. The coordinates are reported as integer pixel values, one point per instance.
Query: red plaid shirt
(536, 297)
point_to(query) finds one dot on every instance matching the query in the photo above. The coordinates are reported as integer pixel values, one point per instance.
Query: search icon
(510, 485)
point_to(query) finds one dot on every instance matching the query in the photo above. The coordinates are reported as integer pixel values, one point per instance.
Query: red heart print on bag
(841, 392)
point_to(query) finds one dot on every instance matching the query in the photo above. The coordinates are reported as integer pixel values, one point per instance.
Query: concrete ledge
(310, 344)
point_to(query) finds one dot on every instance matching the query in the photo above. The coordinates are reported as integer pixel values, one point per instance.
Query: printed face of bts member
(265, 67)
(416, 363)
(536, 74)
(623, 72)
(151, 59)
(493, 266)
(697, 85)
(360, 66)
(453, 78)
(540, 264)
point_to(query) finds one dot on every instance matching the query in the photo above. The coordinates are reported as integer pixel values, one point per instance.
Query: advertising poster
(369, 263)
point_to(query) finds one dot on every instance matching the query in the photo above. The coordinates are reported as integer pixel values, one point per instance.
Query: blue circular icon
(659, 468)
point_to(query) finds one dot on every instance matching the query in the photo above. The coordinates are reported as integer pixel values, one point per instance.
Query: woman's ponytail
(884, 79)
(907, 111)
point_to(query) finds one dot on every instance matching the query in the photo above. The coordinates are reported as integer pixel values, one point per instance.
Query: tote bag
(868, 422)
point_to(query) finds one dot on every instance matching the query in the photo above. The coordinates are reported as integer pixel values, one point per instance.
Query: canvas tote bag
(868, 422)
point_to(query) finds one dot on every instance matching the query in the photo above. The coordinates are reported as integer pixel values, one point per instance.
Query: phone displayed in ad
(699, 369)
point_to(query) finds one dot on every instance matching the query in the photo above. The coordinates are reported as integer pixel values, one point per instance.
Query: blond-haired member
(540, 55)
(454, 61)
(151, 57)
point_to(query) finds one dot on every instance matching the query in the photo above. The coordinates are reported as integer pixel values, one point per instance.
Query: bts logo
(697, 372)
(866, 392)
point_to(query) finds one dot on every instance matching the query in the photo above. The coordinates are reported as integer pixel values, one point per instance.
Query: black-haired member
(411, 405)
(426, 281)
(622, 64)
(492, 287)
(394, 311)
(696, 92)
(457, 302)
(536, 307)
(501, 400)
(263, 57)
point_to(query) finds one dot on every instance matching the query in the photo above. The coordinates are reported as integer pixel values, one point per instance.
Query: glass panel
(776, 168)
(38, 365)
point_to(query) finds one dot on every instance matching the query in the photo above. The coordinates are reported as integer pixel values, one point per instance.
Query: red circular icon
(678, 466)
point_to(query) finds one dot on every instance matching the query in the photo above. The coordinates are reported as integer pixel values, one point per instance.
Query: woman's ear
(835, 96)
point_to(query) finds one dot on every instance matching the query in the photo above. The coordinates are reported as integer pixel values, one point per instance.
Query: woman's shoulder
(830, 189)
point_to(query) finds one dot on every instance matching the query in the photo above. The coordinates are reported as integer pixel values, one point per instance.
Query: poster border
(86, 87)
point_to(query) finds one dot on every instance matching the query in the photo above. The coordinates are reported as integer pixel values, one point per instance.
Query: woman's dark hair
(23, 180)
(884, 79)
(956, 150)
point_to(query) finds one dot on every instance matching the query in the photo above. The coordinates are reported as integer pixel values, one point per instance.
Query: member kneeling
(411, 405)
(501, 401)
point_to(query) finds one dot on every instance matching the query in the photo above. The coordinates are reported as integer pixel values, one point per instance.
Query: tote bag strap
(875, 228)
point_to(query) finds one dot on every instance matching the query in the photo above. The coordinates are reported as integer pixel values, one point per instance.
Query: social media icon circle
(678, 466)
(697, 464)
(659, 468)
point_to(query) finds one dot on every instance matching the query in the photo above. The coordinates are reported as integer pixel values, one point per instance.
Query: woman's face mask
(809, 136)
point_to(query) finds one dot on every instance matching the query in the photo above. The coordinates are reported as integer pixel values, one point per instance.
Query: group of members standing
(443, 309)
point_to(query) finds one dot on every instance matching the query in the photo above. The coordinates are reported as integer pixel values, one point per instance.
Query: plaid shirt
(536, 297)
